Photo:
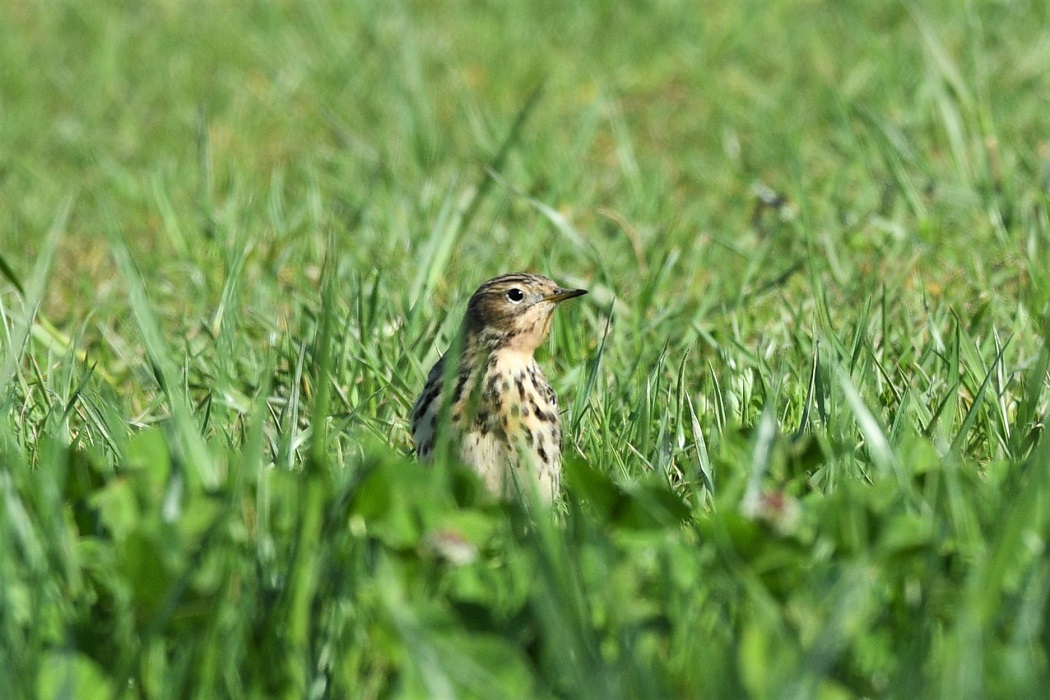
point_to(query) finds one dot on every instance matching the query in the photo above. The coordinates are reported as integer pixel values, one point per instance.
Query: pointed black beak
(561, 294)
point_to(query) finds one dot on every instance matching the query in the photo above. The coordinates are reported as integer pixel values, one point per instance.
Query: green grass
(805, 398)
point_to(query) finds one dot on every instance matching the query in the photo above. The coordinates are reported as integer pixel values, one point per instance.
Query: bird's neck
(523, 340)
(510, 359)
(481, 356)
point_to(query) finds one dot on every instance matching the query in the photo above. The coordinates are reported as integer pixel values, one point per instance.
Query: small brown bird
(502, 413)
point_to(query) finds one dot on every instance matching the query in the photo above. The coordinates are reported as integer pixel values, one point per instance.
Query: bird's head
(514, 311)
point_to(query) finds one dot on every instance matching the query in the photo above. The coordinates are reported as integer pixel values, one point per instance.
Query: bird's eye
(515, 295)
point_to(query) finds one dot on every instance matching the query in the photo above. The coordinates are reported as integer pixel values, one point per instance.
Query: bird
(492, 398)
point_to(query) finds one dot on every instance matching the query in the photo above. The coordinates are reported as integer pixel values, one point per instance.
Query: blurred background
(803, 402)
(673, 144)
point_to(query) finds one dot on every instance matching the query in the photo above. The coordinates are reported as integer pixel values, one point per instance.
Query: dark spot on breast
(515, 410)
(528, 434)
(542, 452)
(460, 384)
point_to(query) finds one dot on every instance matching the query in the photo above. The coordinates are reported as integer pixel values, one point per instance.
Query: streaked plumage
(502, 412)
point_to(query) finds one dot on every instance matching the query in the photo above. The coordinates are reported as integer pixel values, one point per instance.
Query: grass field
(804, 400)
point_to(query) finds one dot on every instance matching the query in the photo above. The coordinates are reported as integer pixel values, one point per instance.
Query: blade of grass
(34, 296)
(305, 565)
(203, 470)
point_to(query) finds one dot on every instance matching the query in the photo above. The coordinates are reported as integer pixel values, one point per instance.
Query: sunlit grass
(804, 399)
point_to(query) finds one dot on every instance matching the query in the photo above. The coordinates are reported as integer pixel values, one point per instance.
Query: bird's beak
(561, 294)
